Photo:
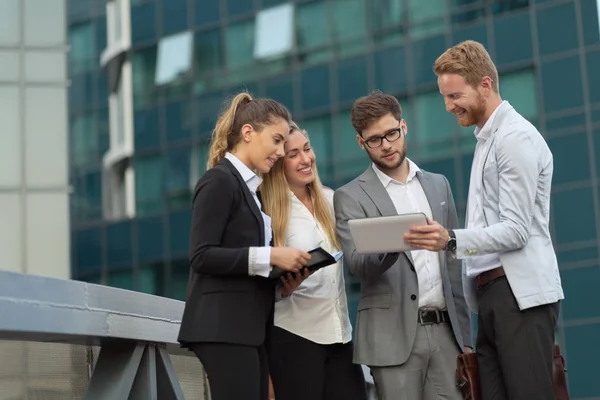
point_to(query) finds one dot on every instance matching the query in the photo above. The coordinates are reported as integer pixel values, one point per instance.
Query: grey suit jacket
(516, 186)
(387, 311)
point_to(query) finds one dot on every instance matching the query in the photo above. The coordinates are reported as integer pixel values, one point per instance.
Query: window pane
(148, 184)
(177, 176)
(282, 90)
(315, 88)
(472, 32)
(589, 19)
(465, 11)
(581, 284)
(350, 159)
(208, 53)
(92, 207)
(146, 129)
(178, 122)
(88, 245)
(425, 53)
(143, 64)
(563, 149)
(319, 132)
(10, 138)
(444, 167)
(355, 71)
(208, 111)
(274, 33)
(513, 39)
(567, 228)
(206, 12)
(561, 93)
(174, 16)
(151, 279)
(593, 66)
(143, 23)
(119, 245)
(10, 17)
(583, 373)
(390, 70)
(554, 40)
(387, 17)
(432, 120)
(579, 254)
(520, 90)
(313, 32)
(83, 50)
(174, 58)
(121, 279)
(179, 232)
(150, 239)
(239, 44)
(180, 272)
(349, 25)
(44, 22)
(426, 17)
(239, 7)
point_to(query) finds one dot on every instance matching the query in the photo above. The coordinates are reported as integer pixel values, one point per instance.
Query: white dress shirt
(259, 258)
(475, 219)
(318, 309)
(410, 198)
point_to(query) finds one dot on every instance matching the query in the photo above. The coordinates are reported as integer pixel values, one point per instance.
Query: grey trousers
(428, 374)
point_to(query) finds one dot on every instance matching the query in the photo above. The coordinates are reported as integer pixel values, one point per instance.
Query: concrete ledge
(44, 309)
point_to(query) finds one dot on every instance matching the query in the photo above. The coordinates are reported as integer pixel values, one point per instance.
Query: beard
(384, 164)
(474, 113)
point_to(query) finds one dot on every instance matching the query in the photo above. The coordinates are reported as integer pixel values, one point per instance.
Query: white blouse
(318, 309)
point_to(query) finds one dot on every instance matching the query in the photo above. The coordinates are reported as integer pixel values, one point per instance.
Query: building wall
(34, 202)
(547, 53)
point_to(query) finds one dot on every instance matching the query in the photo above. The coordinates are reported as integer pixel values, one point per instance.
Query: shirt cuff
(259, 261)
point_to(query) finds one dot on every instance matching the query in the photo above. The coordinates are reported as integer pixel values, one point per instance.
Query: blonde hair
(238, 111)
(275, 198)
(470, 60)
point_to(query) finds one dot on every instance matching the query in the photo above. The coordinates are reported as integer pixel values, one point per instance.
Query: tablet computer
(384, 234)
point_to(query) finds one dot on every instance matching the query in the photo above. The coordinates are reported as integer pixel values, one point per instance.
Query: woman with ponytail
(310, 348)
(229, 304)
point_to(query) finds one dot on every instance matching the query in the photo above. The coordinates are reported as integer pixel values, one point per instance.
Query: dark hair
(372, 107)
(240, 110)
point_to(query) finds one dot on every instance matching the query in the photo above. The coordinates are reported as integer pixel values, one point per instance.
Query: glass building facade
(182, 58)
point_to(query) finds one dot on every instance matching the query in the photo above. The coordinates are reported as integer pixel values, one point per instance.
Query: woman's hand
(289, 259)
(290, 282)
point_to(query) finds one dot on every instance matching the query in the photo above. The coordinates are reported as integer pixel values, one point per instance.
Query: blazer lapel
(249, 199)
(380, 197)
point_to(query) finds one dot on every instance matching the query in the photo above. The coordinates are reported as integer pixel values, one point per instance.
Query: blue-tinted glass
(349, 27)
(148, 184)
(177, 122)
(433, 122)
(425, 53)
(174, 16)
(146, 128)
(103, 91)
(81, 92)
(319, 132)
(239, 44)
(270, 3)
(95, 279)
(569, 229)
(177, 176)
(352, 79)
(180, 272)
(551, 38)
(561, 93)
(390, 70)
(465, 11)
(585, 254)
(513, 39)
(444, 167)
(313, 31)
(82, 55)
(179, 232)
(208, 52)
(121, 279)
(520, 89)
(596, 118)
(103, 132)
(426, 18)
(101, 37)
(88, 244)
(282, 90)
(239, 7)
(502, 6)
(151, 279)
(315, 88)
(119, 245)
(206, 12)
(84, 139)
(473, 32)
(593, 66)
(583, 356)
(350, 159)
(563, 123)
(387, 21)
(93, 195)
(143, 65)
(568, 168)
(150, 235)
(143, 22)
(589, 20)
(207, 112)
(596, 136)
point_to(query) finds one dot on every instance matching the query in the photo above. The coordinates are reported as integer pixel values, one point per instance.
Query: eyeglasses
(376, 141)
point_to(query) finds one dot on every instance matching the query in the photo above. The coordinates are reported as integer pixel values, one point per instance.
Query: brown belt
(488, 276)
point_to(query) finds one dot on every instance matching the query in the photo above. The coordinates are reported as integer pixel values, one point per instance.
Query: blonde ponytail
(223, 136)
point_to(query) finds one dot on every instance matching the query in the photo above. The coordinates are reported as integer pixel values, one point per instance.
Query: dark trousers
(514, 347)
(304, 370)
(235, 372)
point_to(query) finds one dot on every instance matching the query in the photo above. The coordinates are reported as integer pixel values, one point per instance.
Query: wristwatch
(451, 243)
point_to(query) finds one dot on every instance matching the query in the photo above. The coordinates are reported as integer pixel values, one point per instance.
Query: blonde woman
(310, 348)
(229, 306)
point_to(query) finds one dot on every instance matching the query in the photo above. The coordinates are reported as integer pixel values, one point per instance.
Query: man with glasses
(412, 317)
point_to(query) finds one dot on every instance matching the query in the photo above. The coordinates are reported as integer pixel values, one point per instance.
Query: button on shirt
(475, 265)
(318, 309)
(259, 258)
(410, 198)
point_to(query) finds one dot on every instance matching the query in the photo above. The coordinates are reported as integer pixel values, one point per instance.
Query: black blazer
(224, 304)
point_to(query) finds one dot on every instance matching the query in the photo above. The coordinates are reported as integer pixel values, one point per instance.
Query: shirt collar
(485, 132)
(252, 180)
(385, 179)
